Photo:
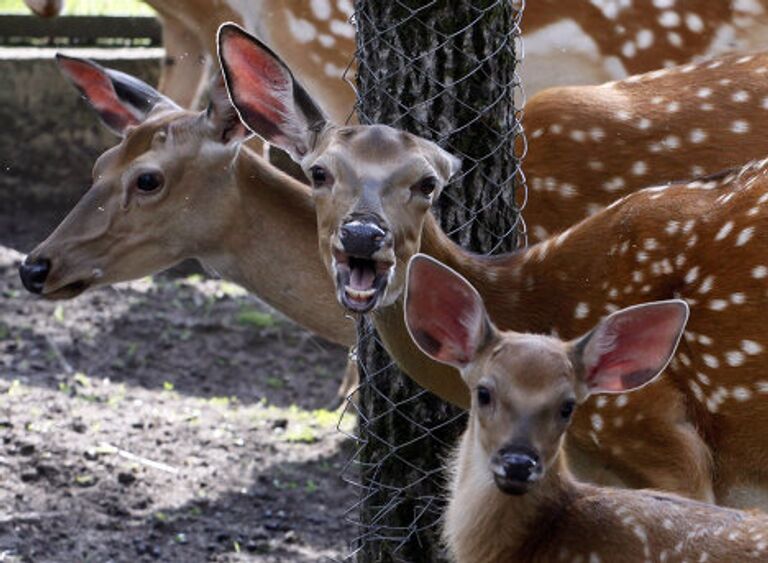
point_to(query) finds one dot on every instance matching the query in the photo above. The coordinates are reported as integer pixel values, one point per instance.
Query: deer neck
(484, 525)
(521, 290)
(553, 287)
(269, 246)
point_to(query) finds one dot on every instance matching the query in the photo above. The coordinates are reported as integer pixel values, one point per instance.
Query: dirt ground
(172, 419)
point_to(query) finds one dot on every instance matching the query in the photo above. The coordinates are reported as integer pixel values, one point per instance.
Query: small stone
(27, 449)
(29, 475)
(126, 478)
(79, 426)
(281, 423)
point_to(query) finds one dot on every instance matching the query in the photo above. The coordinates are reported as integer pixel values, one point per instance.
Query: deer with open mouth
(692, 240)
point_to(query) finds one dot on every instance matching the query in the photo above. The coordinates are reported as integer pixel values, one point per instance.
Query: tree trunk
(445, 70)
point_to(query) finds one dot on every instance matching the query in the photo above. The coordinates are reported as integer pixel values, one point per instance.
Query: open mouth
(360, 282)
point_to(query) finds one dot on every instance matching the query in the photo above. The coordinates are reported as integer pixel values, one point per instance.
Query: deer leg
(350, 381)
(185, 64)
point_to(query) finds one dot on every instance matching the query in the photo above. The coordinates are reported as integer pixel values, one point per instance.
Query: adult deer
(512, 497)
(574, 42)
(373, 187)
(179, 185)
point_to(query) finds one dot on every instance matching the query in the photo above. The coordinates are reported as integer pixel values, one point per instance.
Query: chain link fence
(447, 71)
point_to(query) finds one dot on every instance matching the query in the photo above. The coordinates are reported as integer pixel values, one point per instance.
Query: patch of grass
(58, 314)
(5, 332)
(252, 317)
(81, 379)
(299, 434)
(219, 401)
(15, 389)
(275, 382)
(85, 480)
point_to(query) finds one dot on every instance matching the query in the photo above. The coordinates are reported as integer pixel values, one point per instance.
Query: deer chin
(69, 291)
(361, 283)
(511, 486)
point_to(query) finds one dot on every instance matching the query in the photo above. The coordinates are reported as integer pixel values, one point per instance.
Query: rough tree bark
(443, 69)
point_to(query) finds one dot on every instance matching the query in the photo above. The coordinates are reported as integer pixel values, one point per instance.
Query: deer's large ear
(266, 95)
(120, 99)
(444, 314)
(629, 348)
(222, 115)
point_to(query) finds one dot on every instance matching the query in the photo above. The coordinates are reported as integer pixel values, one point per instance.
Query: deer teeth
(358, 294)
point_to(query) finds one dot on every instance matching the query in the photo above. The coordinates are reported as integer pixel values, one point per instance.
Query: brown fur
(655, 244)
(228, 208)
(590, 145)
(559, 518)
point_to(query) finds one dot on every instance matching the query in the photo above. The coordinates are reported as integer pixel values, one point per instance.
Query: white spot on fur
(739, 126)
(698, 135)
(669, 19)
(734, 358)
(581, 311)
(710, 360)
(724, 231)
(744, 236)
(718, 304)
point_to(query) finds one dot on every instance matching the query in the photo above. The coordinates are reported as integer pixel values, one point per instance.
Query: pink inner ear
(97, 88)
(259, 85)
(627, 351)
(444, 313)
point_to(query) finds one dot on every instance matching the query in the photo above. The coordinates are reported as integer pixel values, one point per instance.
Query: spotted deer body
(512, 497)
(686, 433)
(693, 241)
(590, 145)
(566, 43)
(315, 37)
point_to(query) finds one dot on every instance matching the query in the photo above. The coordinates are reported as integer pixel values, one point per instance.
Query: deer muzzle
(363, 261)
(515, 469)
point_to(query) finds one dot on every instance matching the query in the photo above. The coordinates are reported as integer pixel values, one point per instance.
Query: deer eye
(149, 181)
(483, 396)
(426, 185)
(566, 409)
(319, 175)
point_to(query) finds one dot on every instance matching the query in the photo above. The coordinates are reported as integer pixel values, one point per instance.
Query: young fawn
(512, 497)
(699, 241)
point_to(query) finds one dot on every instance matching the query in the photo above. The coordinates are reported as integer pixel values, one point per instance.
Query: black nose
(33, 274)
(362, 238)
(519, 466)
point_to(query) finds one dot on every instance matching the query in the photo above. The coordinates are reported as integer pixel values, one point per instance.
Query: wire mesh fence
(447, 71)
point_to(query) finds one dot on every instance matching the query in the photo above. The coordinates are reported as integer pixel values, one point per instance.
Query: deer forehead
(535, 367)
(371, 144)
(139, 139)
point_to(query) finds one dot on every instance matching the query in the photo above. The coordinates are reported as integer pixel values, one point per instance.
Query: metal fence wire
(445, 70)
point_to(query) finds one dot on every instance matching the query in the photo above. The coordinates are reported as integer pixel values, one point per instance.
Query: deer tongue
(361, 276)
